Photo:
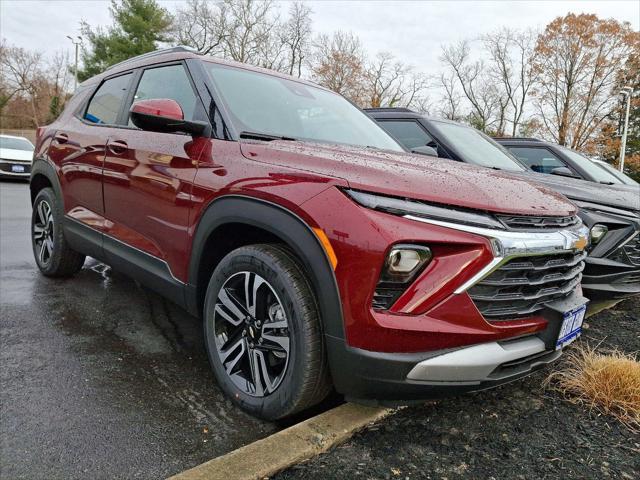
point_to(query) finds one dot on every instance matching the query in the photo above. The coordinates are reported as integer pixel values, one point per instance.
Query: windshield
(474, 147)
(262, 103)
(623, 177)
(597, 173)
(16, 144)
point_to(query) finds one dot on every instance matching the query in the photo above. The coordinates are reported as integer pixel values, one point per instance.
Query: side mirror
(563, 172)
(425, 150)
(163, 115)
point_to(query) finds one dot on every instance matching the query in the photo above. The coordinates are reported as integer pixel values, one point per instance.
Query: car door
(148, 178)
(78, 150)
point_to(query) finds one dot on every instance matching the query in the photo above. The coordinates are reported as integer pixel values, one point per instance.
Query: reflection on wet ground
(100, 377)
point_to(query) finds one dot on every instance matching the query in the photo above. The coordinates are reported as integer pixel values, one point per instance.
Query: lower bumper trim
(473, 365)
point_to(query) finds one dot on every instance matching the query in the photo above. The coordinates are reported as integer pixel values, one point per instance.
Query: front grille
(527, 222)
(524, 285)
(629, 253)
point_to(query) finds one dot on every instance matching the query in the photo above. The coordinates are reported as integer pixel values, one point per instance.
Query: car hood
(415, 176)
(620, 196)
(11, 154)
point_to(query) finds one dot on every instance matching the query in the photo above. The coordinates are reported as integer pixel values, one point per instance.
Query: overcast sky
(413, 31)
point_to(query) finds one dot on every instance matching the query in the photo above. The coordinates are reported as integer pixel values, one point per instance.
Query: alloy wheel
(251, 334)
(43, 232)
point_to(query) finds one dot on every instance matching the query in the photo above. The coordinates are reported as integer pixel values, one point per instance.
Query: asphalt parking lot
(99, 377)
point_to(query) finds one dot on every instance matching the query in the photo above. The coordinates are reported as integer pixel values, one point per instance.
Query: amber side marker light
(326, 244)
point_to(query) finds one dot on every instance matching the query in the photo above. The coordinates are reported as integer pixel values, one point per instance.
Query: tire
(277, 330)
(50, 250)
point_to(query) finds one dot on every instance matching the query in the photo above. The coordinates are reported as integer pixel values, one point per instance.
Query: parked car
(317, 251)
(623, 177)
(16, 155)
(554, 159)
(612, 212)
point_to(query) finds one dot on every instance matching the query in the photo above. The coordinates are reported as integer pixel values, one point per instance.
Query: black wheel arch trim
(288, 226)
(42, 167)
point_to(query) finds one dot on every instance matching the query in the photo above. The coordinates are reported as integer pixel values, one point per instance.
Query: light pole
(75, 70)
(625, 92)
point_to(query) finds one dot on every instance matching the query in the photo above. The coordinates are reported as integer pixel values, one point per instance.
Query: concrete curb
(290, 446)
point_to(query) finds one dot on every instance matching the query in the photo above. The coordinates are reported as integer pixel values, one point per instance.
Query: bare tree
(32, 89)
(577, 58)
(391, 83)
(450, 99)
(22, 74)
(339, 64)
(59, 76)
(248, 31)
(488, 107)
(202, 25)
(296, 37)
(511, 55)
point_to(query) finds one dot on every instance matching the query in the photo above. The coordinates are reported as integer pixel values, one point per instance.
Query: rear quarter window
(104, 107)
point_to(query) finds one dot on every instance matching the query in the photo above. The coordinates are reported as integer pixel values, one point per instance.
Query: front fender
(287, 226)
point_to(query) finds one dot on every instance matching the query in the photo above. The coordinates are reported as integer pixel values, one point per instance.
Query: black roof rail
(180, 48)
(524, 139)
(389, 109)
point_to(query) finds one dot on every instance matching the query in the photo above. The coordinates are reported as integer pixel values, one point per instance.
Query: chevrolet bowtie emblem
(575, 241)
(580, 243)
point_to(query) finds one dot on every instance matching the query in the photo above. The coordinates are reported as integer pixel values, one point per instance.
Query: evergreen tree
(138, 27)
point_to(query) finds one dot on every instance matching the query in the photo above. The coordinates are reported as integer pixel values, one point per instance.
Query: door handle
(117, 147)
(61, 137)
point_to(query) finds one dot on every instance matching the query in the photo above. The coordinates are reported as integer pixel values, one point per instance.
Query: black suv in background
(612, 212)
(547, 157)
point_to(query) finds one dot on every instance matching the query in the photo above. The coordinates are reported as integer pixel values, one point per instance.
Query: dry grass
(609, 383)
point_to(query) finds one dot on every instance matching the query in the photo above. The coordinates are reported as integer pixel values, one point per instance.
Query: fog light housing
(404, 262)
(597, 233)
(402, 265)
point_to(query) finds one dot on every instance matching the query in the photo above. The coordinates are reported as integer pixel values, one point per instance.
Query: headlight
(597, 233)
(416, 208)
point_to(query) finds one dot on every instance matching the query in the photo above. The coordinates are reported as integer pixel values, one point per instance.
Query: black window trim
(123, 114)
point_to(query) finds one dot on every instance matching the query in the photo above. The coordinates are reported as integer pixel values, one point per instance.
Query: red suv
(318, 252)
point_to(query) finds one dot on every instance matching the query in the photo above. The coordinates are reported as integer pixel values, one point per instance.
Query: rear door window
(106, 103)
(539, 160)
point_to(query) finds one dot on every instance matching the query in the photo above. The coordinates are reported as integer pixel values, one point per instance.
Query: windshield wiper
(263, 136)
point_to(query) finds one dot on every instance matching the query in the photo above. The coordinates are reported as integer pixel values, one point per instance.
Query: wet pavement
(99, 377)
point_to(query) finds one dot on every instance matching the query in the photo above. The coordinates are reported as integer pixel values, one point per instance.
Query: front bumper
(403, 378)
(17, 169)
(373, 353)
(610, 271)
(605, 279)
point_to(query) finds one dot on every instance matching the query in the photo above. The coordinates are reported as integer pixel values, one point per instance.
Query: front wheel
(263, 333)
(52, 254)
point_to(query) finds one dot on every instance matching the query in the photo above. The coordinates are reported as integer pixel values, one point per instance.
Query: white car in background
(16, 156)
